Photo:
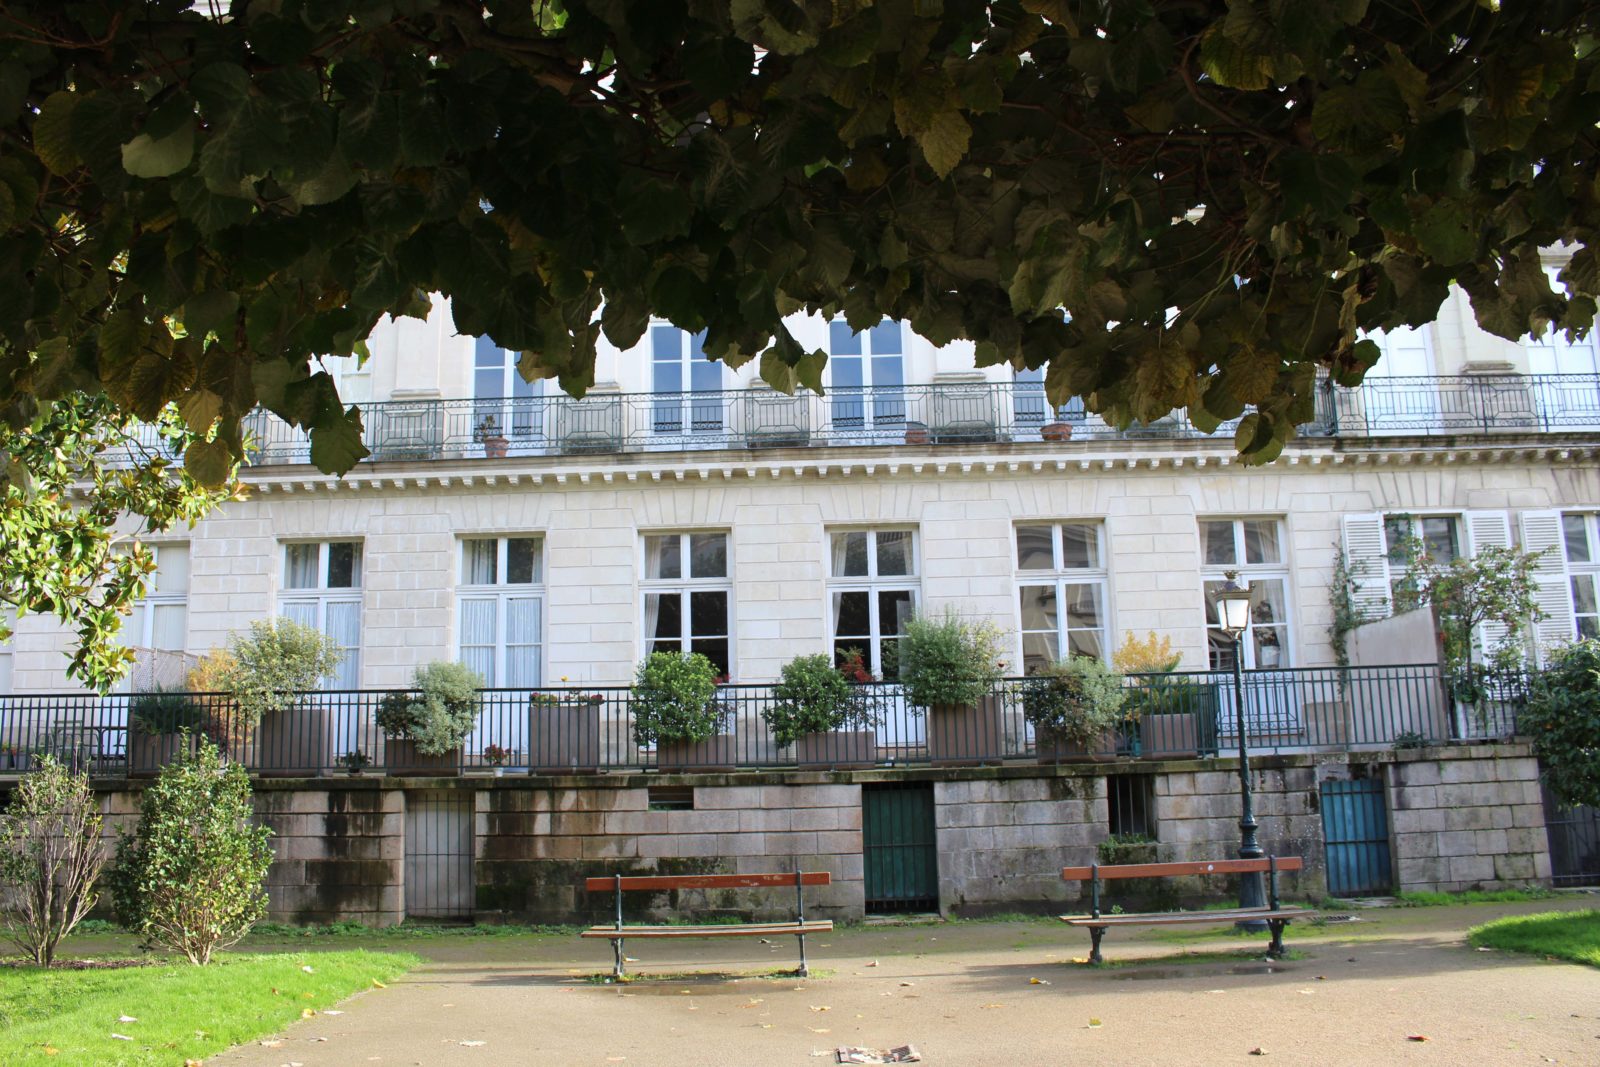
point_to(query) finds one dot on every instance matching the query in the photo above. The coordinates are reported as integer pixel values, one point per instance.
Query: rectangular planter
(402, 758)
(966, 734)
(714, 753)
(296, 743)
(1049, 747)
(1169, 736)
(148, 753)
(564, 738)
(838, 750)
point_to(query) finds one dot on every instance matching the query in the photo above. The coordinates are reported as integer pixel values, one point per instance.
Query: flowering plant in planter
(814, 697)
(355, 761)
(1076, 699)
(496, 756)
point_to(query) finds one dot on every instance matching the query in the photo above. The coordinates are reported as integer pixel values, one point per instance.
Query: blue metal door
(1355, 827)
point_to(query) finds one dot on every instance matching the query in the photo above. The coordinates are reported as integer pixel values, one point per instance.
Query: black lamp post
(1233, 617)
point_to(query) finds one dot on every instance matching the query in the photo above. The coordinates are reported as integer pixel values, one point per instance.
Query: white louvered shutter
(1364, 555)
(1488, 529)
(1541, 534)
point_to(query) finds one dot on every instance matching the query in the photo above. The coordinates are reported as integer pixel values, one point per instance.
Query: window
(500, 606)
(161, 619)
(868, 376)
(1580, 535)
(872, 594)
(1438, 537)
(669, 797)
(10, 617)
(687, 596)
(322, 589)
(505, 404)
(1061, 581)
(1130, 804)
(1253, 548)
(682, 376)
(1030, 408)
(352, 376)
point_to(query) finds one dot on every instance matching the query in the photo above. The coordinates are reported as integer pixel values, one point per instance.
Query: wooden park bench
(1274, 914)
(799, 928)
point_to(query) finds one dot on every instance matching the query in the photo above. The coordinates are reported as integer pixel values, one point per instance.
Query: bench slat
(811, 926)
(1157, 919)
(1174, 870)
(661, 882)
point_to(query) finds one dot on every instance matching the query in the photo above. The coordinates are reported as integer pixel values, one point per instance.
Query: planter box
(965, 734)
(402, 758)
(714, 753)
(564, 738)
(148, 753)
(1169, 736)
(837, 750)
(296, 743)
(1050, 747)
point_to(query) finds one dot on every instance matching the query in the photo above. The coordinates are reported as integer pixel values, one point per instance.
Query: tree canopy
(1167, 203)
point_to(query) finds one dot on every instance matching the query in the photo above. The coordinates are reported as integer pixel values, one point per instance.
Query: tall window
(501, 610)
(868, 374)
(161, 619)
(872, 594)
(687, 596)
(1580, 535)
(322, 589)
(1438, 537)
(1254, 548)
(10, 616)
(1029, 406)
(1061, 582)
(682, 376)
(505, 404)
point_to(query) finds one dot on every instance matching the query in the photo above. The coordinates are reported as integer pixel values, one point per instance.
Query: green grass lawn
(1566, 935)
(183, 1012)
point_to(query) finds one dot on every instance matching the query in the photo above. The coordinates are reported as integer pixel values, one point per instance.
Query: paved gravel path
(965, 994)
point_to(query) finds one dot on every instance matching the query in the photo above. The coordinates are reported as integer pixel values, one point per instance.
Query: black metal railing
(556, 731)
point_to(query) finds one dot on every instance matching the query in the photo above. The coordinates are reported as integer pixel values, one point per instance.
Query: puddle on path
(1158, 973)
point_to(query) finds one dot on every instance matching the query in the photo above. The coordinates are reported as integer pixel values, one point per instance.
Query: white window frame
(502, 592)
(1393, 572)
(321, 596)
(1589, 571)
(153, 599)
(1249, 573)
(690, 410)
(1060, 578)
(871, 405)
(873, 584)
(683, 586)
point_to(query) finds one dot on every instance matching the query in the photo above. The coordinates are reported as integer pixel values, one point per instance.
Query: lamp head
(1233, 606)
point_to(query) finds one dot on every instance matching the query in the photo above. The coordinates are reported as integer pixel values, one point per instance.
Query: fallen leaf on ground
(375, 982)
(1038, 981)
(306, 1013)
(820, 1007)
(333, 1011)
(991, 1005)
(752, 1003)
(874, 963)
(307, 969)
(272, 1043)
(50, 1050)
(1258, 1051)
(121, 1037)
(1094, 1022)
(126, 1019)
(906, 983)
(470, 1044)
(819, 1029)
(1416, 1037)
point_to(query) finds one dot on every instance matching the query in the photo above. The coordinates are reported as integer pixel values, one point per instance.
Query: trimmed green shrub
(190, 878)
(278, 661)
(439, 712)
(947, 660)
(813, 697)
(1563, 718)
(673, 699)
(50, 857)
(1077, 699)
(166, 711)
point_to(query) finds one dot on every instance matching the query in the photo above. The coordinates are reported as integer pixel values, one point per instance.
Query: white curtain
(344, 626)
(652, 613)
(300, 566)
(169, 629)
(478, 636)
(523, 639)
(478, 559)
(172, 569)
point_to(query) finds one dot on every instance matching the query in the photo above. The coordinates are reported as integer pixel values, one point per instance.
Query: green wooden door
(901, 852)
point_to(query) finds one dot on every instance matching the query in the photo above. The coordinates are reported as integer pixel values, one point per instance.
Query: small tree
(673, 699)
(812, 697)
(274, 664)
(50, 857)
(190, 879)
(439, 712)
(948, 660)
(1563, 718)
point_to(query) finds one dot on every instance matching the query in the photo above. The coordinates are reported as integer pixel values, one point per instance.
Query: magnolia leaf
(147, 157)
(945, 141)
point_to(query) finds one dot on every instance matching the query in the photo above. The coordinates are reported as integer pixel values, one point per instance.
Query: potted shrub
(1074, 705)
(1175, 713)
(676, 710)
(497, 757)
(950, 667)
(427, 724)
(564, 731)
(262, 718)
(162, 724)
(354, 762)
(812, 703)
(495, 445)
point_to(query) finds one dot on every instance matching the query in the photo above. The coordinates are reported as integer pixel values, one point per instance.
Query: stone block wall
(1467, 819)
(340, 851)
(1003, 841)
(537, 845)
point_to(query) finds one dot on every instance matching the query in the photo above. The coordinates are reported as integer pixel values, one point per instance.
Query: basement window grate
(1131, 804)
(670, 797)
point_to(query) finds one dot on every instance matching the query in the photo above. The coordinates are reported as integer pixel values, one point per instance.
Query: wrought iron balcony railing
(920, 415)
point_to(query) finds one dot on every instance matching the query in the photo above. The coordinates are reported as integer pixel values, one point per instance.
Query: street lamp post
(1233, 617)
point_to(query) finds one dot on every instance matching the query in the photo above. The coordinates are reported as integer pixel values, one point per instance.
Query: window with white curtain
(161, 619)
(322, 589)
(688, 597)
(501, 610)
(1253, 548)
(1061, 584)
(872, 594)
(1580, 536)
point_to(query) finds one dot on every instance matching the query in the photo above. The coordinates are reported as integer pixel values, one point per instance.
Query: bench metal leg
(804, 972)
(1095, 934)
(1275, 951)
(616, 949)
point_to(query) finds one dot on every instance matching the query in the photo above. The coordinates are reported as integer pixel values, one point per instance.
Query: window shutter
(1364, 555)
(1488, 529)
(1541, 534)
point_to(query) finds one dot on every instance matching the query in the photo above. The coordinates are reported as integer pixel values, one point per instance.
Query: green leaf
(652, 210)
(335, 179)
(945, 141)
(13, 90)
(146, 157)
(336, 441)
(1323, 184)
(624, 317)
(1444, 233)
(52, 133)
(210, 311)
(208, 462)
(200, 408)
(1230, 64)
